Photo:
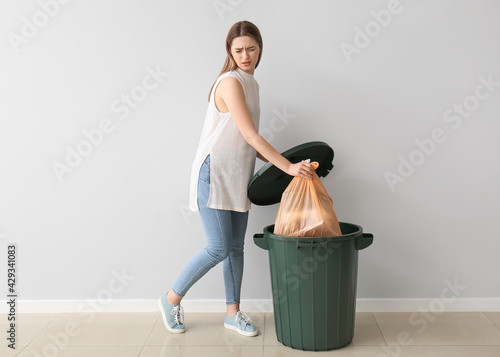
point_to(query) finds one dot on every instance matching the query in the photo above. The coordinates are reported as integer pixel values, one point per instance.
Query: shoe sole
(243, 333)
(162, 311)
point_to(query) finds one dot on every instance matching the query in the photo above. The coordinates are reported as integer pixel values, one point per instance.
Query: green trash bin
(313, 279)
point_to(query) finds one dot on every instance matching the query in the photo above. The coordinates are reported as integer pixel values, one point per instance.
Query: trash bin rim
(268, 231)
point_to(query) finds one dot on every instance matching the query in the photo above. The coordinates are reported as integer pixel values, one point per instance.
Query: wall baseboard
(149, 305)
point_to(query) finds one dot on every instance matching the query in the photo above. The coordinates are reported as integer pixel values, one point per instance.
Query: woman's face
(245, 52)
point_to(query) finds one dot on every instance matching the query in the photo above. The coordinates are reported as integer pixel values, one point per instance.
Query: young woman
(222, 169)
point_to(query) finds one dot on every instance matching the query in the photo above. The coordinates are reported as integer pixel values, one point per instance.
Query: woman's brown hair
(241, 28)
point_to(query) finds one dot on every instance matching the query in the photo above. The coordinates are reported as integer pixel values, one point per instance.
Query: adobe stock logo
(422, 319)
(372, 29)
(454, 116)
(40, 19)
(277, 124)
(60, 340)
(223, 6)
(93, 138)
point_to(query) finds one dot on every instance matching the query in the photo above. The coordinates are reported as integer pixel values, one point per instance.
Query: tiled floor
(453, 334)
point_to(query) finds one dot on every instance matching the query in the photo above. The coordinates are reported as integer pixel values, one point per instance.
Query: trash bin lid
(269, 183)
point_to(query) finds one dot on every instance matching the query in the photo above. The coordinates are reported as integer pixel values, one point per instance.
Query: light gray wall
(124, 206)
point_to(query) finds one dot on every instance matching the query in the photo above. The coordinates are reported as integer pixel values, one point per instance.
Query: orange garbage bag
(306, 210)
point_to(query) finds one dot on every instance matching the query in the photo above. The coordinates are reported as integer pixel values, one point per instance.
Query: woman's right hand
(301, 169)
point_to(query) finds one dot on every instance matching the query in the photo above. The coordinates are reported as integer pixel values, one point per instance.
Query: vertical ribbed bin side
(304, 315)
(341, 290)
(333, 286)
(317, 267)
(296, 284)
(314, 291)
(352, 293)
(276, 255)
(314, 284)
(286, 285)
(328, 297)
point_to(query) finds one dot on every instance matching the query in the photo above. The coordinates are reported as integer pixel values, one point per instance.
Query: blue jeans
(225, 232)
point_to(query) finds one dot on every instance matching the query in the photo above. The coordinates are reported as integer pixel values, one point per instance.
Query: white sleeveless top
(232, 159)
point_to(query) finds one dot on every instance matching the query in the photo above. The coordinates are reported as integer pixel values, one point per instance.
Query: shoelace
(178, 314)
(242, 318)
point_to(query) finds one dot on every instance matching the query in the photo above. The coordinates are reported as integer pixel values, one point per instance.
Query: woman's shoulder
(232, 74)
(232, 80)
(226, 77)
(243, 78)
(229, 83)
(231, 77)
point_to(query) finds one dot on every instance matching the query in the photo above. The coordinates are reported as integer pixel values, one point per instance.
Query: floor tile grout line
(381, 333)
(46, 324)
(149, 335)
(39, 333)
(18, 353)
(57, 314)
(264, 334)
(493, 322)
(378, 327)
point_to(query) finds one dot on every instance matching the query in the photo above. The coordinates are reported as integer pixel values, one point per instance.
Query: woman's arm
(230, 93)
(261, 157)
